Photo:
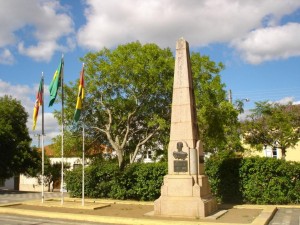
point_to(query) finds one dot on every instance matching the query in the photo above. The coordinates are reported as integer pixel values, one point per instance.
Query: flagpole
(83, 163)
(43, 150)
(62, 131)
(83, 149)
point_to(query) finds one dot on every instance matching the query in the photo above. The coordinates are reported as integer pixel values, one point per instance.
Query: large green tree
(128, 96)
(273, 124)
(15, 152)
(128, 100)
(217, 117)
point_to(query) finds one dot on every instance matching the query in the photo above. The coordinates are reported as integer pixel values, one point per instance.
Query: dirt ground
(233, 215)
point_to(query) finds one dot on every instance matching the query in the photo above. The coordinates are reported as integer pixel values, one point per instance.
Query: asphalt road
(7, 197)
(26, 220)
(286, 216)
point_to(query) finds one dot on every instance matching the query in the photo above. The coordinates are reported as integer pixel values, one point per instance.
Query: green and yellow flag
(80, 96)
(38, 103)
(56, 82)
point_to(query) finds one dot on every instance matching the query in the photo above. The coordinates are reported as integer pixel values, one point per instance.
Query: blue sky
(258, 41)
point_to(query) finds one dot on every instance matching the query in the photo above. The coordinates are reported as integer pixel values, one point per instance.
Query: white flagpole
(83, 164)
(43, 150)
(83, 149)
(62, 132)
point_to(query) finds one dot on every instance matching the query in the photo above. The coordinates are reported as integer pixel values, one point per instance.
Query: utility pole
(230, 96)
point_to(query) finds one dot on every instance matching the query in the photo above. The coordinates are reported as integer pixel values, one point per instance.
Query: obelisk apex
(183, 117)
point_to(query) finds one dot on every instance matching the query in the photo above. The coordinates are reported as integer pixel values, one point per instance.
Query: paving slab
(68, 204)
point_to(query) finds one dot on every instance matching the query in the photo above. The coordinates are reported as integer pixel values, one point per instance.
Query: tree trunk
(283, 153)
(120, 160)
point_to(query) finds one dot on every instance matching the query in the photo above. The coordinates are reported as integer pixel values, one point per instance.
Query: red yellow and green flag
(56, 82)
(80, 96)
(38, 103)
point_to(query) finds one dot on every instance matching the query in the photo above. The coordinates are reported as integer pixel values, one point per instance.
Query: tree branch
(129, 117)
(141, 143)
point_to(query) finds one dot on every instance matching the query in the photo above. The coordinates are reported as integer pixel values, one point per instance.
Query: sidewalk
(133, 212)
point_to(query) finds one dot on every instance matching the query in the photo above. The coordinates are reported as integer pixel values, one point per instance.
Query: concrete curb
(263, 219)
(103, 219)
(265, 216)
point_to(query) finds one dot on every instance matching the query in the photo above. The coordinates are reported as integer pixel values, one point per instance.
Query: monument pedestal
(181, 196)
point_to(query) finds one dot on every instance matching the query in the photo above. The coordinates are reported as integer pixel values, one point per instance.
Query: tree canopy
(128, 95)
(217, 117)
(15, 152)
(128, 100)
(273, 124)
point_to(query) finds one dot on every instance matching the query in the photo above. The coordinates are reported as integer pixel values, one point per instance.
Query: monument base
(181, 196)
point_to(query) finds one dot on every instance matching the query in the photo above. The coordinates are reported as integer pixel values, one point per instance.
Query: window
(76, 165)
(274, 152)
(271, 152)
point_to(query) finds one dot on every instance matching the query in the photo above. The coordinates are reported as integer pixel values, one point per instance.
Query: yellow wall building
(292, 154)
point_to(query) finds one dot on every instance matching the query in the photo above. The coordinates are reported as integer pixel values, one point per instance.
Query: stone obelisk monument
(185, 191)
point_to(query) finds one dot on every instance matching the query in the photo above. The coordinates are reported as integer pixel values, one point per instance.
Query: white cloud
(243, 116)
(20, 92)
(34, 26)
(285, 100)
(39, 28)
(270, 43)
(26, 95)
(51, 128)
(114, 22)
(41, 52)
(6, 57)
(296, 103)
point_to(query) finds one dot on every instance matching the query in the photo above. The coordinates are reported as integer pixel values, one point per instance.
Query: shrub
(233, 180)
(149, 179)
(269, 181)
(140, 181)
(99, 178)
(103, 179)
(253, 180)
(73, 180)
(223, 172)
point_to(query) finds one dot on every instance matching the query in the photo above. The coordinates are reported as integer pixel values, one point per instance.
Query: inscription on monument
(180, 66)
(180, 166)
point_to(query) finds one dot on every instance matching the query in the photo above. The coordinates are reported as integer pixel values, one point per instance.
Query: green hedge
(104, 180)
(270, 181)
(255, 180)
(223, 173)
(233, 179)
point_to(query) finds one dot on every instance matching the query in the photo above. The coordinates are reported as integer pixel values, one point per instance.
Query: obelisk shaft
(183, 117)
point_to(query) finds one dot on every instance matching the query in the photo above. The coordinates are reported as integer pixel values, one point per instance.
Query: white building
(32, 184)
(7, 184)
